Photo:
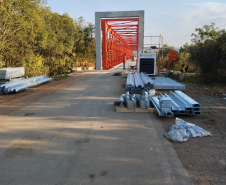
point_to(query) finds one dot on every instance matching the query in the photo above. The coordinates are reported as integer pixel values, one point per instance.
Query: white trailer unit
(147, 63)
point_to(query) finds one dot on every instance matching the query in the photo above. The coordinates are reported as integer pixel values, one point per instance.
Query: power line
(182, 38)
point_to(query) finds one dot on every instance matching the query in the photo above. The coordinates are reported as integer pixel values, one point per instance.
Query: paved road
(71, 135)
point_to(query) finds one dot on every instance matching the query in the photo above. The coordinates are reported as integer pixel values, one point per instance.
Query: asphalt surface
(71, 135)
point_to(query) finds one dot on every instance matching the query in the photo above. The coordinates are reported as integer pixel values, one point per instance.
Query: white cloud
(194, 16)
(206, 12)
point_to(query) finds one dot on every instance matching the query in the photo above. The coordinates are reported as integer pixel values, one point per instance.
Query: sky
(175, 20)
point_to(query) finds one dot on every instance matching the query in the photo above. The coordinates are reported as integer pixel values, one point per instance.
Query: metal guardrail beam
(137, 82)
(23, 84)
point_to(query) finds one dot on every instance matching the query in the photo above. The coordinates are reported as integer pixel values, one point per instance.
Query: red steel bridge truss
(119, 36)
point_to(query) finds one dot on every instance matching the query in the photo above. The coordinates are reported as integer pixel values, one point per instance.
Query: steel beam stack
(139, 85)
(20, 85)
(7, 73)
(177, 102)
(137, 82)
(130, 83)
(148, 83)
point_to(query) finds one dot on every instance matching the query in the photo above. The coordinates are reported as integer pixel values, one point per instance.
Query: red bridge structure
(119, 37)
(117, 34)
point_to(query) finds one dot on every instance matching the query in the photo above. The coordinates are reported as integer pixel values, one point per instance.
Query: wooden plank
(141, 110)
(137, 110)
(151, 110)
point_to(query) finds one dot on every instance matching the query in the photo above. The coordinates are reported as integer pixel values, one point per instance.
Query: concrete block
(82, 68)
(77, 69)
(87, 68)
(90, 68)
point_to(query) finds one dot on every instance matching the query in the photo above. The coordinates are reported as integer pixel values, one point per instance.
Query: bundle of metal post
(23, 84)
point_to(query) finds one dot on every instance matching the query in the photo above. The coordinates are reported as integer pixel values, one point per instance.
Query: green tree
(210, 53)
(40, 40)
(84, 45)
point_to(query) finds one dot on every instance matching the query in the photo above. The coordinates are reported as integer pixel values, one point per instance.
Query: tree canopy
(209, 53)
(40, 40)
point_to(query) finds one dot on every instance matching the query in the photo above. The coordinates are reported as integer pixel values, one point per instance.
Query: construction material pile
(20, 85)
(7, 73)
(136, 82)
(175, 103)
(183, 130)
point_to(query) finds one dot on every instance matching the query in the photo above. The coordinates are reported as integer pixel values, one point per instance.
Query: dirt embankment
(205, 158)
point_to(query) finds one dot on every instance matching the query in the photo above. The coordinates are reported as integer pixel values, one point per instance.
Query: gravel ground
(204, 158)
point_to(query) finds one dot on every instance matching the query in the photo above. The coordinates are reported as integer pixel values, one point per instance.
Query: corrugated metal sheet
(166, 83)
(7, 73)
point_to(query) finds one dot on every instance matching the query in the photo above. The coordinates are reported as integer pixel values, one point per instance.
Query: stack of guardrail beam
(148, 83)
(136, 82)
(20, 85)
(176, 103)
(7, 73)
(139, 85)
(130, 83)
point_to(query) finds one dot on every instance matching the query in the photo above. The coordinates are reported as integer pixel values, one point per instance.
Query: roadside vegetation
(206, 57)
(43, 42)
